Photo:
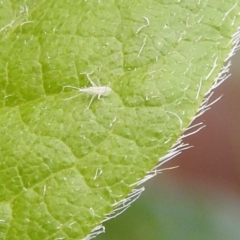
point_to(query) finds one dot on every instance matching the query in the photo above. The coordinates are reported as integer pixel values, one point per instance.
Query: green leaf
(64, 167)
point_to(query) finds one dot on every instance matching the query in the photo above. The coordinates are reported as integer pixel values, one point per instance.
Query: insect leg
(99, 96)
(89, 79)
(92, 98)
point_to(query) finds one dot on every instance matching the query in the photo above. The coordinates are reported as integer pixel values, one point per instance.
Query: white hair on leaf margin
(178, 147)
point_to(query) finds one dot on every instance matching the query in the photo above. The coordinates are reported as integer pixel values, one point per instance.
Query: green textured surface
(62, 165)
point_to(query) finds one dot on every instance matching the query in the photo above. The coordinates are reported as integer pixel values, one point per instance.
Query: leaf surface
(64, 166)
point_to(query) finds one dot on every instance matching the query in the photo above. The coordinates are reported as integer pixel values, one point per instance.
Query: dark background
(200, 200)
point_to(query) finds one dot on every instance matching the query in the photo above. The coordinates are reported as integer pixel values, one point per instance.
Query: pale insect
(94, 90)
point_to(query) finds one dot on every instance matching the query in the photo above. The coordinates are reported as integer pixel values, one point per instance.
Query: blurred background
(200, 200)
